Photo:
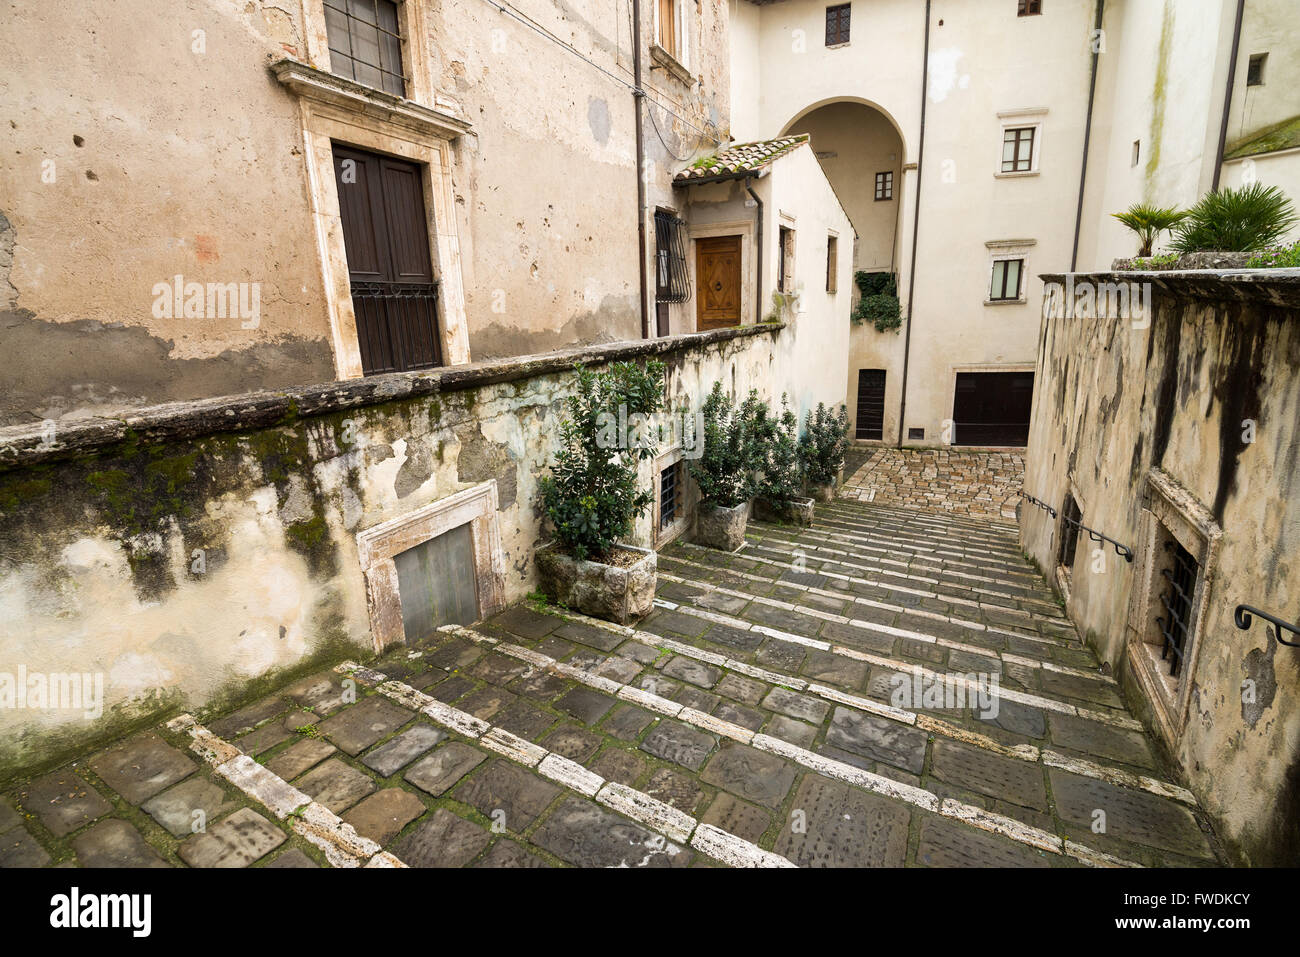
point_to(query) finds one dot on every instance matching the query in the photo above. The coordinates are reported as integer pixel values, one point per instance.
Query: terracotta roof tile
(738, 160)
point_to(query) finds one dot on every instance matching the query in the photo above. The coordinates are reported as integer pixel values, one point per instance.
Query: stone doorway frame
(378, 546)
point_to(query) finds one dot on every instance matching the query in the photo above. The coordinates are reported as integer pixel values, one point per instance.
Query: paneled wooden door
(871, 404)
(386, 234)
(717, 282)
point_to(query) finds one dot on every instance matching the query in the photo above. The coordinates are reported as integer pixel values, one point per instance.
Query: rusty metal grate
(1176, 623)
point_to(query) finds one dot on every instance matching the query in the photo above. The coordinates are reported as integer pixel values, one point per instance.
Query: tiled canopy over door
(386, 232)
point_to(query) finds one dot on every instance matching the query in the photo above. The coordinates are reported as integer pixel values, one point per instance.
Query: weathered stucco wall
(1208, 395)
(193, 552)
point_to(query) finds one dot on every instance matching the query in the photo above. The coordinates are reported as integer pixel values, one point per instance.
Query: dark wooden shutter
(871, 404)
(992, 408)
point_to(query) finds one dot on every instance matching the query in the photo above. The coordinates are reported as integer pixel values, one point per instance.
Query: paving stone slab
(658, 684)
(1101, 740)
(292, 858)
(391, 756)
(248, 717)
(618, 668)
(323, 693)
(443, 767)
(539, 685)
(504, 788)
(237, 841)
(674, 623)
(1017, 718)
(1093, 690)
(141, 766)
(697, 698)
(692, 671)
(443, 840)
(506, 853)
(716, 601)
(573, 742)
(454, 654)
(456, 686)
(9, 818)
(1129, 815)
(796, 705)
(739, 714)
(679, 743)
(590, 635)
(523, 621)
(842, 826)
(335, 785)
(638, 652)
(745, 690)
(788, 729)
(115, 843)
(1009, 779)
(383, 814)
(297, 758)
(675, 787)
(584, 704)
(496, 668)
(737, 817)
(628, 722)
(732, 637)
(19, 849)
(615, 764)
(63, 802)
(486, 702)
(586, 835)
(750, 774)
(835, 669)
(175, 808)
(524, 719)
(356, 728)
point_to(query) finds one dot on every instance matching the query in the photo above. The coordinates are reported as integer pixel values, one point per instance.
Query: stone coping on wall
(25, 445)
(1277, 287)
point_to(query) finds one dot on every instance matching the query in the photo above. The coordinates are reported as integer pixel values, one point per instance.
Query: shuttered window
(837, 24)
(365, 42)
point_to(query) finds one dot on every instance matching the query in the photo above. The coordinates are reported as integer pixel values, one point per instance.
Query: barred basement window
(1071, 519)
(1017, 149)
(884, 185)
(670, 495)
(1255, 69)
(672, 278)
(1179, 573)
(837, 24)
(365, 43)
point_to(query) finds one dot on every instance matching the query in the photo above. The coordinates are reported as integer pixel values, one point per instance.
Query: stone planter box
(1206, 259)
(798, 512)
(719, 527)
(604, 591)
(822, 493)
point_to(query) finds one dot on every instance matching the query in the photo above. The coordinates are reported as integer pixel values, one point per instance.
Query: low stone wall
(1170, 409)
(191, 554)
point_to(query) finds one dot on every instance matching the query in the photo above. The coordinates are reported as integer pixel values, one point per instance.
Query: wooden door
(386, 234)
(992, 408)
(871, 404)
(717, 282)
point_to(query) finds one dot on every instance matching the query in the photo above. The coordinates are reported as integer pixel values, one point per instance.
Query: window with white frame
(1008, 263)
(1021, 141)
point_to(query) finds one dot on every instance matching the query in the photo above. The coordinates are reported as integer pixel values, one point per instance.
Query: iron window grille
(1071, 519)
(1255, 69)
(884, 185)
(1005, 286)
(837, 23)
(672, 278)
(397, 325)
(670, 495)
(1176, 600)
(1018, 149)
(365, 43)
(1029, 8)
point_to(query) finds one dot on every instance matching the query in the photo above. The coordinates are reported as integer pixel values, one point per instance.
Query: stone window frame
(662, 536)
(1002, 250)
(1169, 511)
(421, 127)
(378, 546)
(1029, 118)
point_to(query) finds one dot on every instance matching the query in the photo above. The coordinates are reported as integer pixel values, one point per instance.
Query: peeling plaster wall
(194, 570)
(1112, 402)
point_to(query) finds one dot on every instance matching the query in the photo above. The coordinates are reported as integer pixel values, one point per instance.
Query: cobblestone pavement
(753, 718)
(962, 482)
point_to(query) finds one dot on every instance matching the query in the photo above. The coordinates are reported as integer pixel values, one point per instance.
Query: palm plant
(1149, 222)
(1236, 220)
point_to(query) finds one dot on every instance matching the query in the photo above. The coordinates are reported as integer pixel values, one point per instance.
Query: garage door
(992, 408)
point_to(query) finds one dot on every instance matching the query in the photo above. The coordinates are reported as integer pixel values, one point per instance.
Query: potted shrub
(725, 469)
(780, 487)
(821, 450)
(1148, 222)
(592, 497)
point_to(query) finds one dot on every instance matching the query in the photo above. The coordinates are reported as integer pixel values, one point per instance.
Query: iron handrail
(1033, 501)
(1121, 550)
(1242, 617)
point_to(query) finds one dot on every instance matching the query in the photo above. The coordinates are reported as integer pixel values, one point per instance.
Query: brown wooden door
(717, 282)
(992, 408)
(386, 234)
(871, 404)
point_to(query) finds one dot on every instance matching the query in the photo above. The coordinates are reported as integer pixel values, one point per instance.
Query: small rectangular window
(1255, 70)
(670, 495)
(1006, 280)
(672, 278)
(785, 261)
(916, 434)
(1180, 574)
(832, 261)
(1137, 151)
(668, 26)
(837, 24)
(365, 43)
(1029, 8)
(1018, 149)
(885, 185)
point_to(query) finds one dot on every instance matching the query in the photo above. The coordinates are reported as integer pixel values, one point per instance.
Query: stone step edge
(892, 631)
(858, 600)
(660, 817)
(932, 725)
(871, 543)
(900, 514)
(923, 536)
(894, 664)
(341, 844)
(828, 767)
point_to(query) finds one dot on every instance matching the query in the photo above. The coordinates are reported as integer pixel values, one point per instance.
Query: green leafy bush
(1236, 220)
(1149, 221)
(1277, 257)
(876, 283)
(781, 479)
(878, 303)
(592, 496)
(823, 444)
(725, 470)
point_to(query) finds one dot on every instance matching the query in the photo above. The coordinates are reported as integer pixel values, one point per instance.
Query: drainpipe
(916, 223)
(758, 252)
(1087, 136)
(638, 94)
(1227, 94)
